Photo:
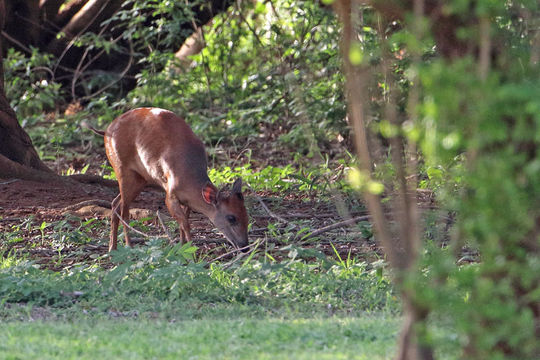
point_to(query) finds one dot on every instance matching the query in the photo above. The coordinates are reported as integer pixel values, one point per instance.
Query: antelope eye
(231, 219)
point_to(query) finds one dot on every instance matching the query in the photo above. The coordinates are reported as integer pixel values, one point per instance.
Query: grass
(370, 337)
(155, 303)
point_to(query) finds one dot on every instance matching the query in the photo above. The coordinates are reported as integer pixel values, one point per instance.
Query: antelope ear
(209, 193)
(237, 186)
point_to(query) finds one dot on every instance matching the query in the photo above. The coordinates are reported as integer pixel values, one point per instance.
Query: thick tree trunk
(23, 20)
(15, 144)
(2, 16)
(31, 22)
(40, 22)
(88, 18)
(10, 169)
(53, 18)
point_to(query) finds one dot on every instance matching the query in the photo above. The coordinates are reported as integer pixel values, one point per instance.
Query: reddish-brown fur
(154, 146)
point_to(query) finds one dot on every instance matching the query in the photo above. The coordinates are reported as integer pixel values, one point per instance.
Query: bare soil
(25, 205)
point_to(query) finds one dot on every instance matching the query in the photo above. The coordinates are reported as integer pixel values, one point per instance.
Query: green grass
(157, 303)
(370, 337)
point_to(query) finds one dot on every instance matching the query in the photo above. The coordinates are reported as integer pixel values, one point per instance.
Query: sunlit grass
(370, 337)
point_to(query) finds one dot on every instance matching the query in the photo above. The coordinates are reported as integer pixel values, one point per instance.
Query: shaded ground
(59, 225)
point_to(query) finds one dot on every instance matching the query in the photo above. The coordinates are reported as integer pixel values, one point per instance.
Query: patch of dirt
(25, 205)
(50, 201)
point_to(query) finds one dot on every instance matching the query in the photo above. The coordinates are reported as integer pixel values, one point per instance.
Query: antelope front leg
(185, 228)
(180, 213)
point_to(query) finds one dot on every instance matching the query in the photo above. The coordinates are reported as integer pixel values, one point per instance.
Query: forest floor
(30, 213)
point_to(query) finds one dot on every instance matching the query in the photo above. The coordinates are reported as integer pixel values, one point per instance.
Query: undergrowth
(144, 277)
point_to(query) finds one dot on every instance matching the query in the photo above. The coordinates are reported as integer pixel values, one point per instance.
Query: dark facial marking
(231, 219)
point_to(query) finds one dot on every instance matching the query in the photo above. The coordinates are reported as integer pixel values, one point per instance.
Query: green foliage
(28, 84)
(313, 179)
(170, 274)
(291, 82)
(480, 142)
(154, 25)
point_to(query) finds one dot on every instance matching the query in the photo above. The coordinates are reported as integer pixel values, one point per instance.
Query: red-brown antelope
(154, 146)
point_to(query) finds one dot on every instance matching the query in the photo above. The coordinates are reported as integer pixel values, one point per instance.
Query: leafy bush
(282, 179)
(29, 84)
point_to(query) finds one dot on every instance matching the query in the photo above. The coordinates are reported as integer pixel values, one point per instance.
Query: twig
(16, 42)
(244, 150)
(274, 9)
(336, 225)
(203, 40)
(120, 76)
(238, 257)
(44, 68)
(247, 24)
(29, 51)
(267, 209)
(12, 219)
(128, 226)
(171, 240)
(308, 216)
(241, 254)
(92, 179)
(78, 69)
(258, 229)
(9, 181)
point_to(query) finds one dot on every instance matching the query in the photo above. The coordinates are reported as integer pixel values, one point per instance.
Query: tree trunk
(500, 255)
(2, 15)
(29, 22)
(87, 18)
(40, 22)
(49, 9)
(10, 169)
(15, 144)
(413, 328)
(402, 248)
(445, 25)
(53, 19)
